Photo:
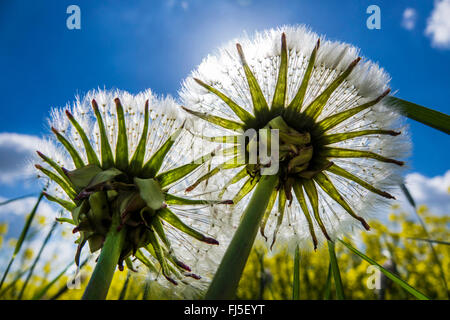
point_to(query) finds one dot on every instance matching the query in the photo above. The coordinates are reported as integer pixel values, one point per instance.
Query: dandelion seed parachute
(338, 141)
(113, 153)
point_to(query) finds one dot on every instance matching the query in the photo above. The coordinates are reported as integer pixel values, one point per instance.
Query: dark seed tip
(227, 202)
(69, 114)
(241, 53)
(209, 240)
(364, 223)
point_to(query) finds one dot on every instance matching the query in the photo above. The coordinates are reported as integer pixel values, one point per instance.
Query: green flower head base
(337, 140)
(123, 166)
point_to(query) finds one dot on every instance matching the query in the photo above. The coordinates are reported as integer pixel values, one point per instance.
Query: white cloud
(409, 18)
(438, 24)
(433, 192)
(15, 151)
(24, 206)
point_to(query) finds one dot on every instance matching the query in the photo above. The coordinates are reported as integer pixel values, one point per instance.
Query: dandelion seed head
(165, 123)
(365, 83)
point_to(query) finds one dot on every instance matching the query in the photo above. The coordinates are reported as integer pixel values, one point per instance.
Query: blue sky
(134, 45)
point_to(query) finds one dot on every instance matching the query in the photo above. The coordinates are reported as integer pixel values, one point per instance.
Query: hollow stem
(226, 279)
(98, 286)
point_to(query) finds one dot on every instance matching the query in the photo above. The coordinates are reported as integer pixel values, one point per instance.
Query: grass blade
(296, 283)
(44, 290)
(16, 199)
(327, 294)
(335, 271)
(23, 234)
(388, 274)
(429, 117)
(30, 272)
(432, 241)
(425, 229)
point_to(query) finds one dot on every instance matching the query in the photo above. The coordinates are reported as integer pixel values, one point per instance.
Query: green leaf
(338, 137)
(296, 282)
(246, 188)
(272, 199)
(168, 177)
(279, 96)
(91, 155)
(350, 153)
(173, 219)
(313, 197)
(56, 167)
(298, 190)
(335, 271)
(151, 192)
(345, 174)
(324, 182)
(104, 176)
(336, 118)
(142, 258)
(159, 255)
(152, 166)
(387, 273)
(297, 102)
(242, 114)
(107, 156)
(259, 102)
(66, 220)
(221, 122)
(281, 206)
(60, 181)
(76, 158)
(138, 156)
(122, 140)
(174, 200)
(229, 164)
(314, 109)
(429, 117)
(68, 205)
(238, 177)
(83, 176)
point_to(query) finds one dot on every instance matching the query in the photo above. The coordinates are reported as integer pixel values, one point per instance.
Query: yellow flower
(3, 228)
(28, 254)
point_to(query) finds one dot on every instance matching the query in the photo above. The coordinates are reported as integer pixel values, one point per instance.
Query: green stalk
(226, 279)
(101, 278)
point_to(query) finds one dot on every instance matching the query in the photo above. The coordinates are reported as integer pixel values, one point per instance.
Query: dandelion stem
(228, 274)
(98, 285)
